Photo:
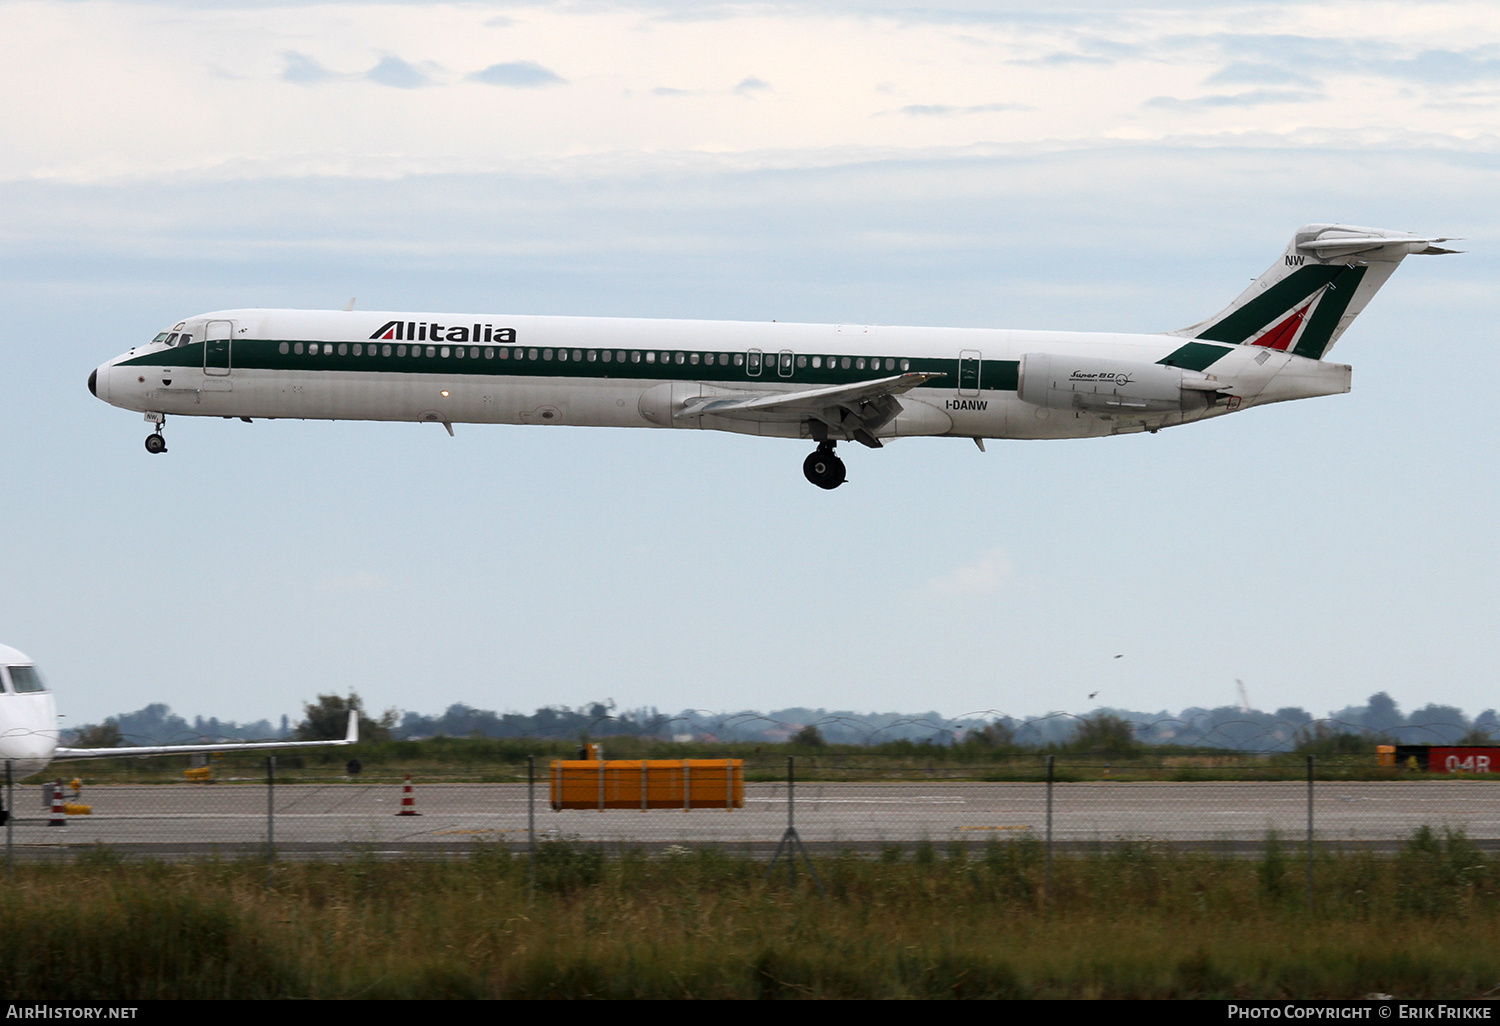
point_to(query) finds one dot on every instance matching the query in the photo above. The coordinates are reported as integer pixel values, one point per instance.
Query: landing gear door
(968, 372)
(218, 336)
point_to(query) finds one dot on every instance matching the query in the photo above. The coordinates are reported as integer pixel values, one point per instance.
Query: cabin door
(218, 336)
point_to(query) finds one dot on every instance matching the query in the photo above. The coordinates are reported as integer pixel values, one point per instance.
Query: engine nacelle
(1113, 386)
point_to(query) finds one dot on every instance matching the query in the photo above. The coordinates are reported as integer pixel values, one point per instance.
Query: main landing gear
(823, 468)
(156, 442)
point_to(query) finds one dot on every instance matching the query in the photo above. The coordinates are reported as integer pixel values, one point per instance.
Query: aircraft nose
(94, 382)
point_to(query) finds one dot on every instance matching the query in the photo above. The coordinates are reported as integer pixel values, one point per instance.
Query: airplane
(29, 736)
(828, 383)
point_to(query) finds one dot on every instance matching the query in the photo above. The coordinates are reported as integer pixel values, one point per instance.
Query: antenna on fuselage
(350, 305)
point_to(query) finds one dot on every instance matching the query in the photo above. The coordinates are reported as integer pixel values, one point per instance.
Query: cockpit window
(25, 679)
(184, 339)
(160, 338)
(172, 339)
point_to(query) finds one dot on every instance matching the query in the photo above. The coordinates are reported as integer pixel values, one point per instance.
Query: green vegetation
(1129, 921)
(1098, 753)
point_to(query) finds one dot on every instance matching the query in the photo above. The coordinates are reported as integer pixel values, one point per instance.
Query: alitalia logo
(423, 331)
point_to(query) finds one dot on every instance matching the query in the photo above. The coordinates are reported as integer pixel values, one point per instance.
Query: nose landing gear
(156, 442)
(823, 468)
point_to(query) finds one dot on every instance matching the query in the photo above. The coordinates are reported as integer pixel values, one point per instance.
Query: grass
(1129, 921)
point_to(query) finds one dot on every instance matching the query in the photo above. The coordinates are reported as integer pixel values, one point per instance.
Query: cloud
(750, 86)
(396, 73)
(669, 91)
(1446, 67)
(1254, 98)
(518, 75)
(303, 70)
(1244, 73)
(984, 576)
(943, 110)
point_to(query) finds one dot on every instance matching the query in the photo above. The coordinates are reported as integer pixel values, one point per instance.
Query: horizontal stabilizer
(1326, 276)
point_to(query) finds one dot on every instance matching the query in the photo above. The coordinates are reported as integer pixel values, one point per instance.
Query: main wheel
(824, 469)
(155, 444)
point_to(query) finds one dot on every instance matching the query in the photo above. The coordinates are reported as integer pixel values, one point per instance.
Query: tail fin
(1317, 288)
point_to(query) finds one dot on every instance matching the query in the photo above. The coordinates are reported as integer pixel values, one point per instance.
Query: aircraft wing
(231, 746)
(812, 402)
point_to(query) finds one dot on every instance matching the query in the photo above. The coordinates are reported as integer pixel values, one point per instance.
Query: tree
(1321, 739)
(98, 735)
(1104, 733)
(809, 737)
(328, 719)
(996, 734)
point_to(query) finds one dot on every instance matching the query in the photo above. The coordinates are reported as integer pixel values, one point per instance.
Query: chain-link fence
(871, 806)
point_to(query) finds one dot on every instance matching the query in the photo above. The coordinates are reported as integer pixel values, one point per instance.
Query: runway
(333, 818)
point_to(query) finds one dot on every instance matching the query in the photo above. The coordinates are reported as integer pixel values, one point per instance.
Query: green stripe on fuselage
(1195, 356)
(265, 354)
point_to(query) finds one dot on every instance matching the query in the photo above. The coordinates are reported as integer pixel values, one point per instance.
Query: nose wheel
(156, 442)
(823, 468)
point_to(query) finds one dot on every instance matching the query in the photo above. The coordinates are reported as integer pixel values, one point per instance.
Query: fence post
(270, 818)
(791, 804)
(1310, 833)
(530, 827)
(10, 820)
(1047, 882)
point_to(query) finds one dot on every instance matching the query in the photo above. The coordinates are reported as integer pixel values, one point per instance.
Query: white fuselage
(463, 368)
(28, 716)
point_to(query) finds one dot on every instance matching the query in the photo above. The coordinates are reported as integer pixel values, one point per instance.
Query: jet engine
(1113, 386)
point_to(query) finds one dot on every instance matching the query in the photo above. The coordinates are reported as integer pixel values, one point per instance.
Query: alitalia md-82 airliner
(824, 382)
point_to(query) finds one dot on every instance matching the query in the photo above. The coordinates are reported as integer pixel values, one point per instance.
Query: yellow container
(642, 784)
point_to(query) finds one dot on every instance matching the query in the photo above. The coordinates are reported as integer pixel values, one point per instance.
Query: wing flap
(811, 402)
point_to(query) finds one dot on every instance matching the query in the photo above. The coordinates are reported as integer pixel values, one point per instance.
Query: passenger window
(400, 350)
(442, 352)
(298, 348)
(650, 357)
(801, 361)
(343, 349)
(594, 355)
(845, 363)
(385, 350)
(284, 348)
(620, 356)
(489, 353)
(578, 354)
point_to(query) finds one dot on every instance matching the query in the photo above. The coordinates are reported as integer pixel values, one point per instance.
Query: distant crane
(1244, 698)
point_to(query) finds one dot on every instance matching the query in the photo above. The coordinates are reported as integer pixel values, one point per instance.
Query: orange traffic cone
(59, 817)
(408, 800)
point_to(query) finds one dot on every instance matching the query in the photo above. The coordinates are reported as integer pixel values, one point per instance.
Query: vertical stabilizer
(1303, 303)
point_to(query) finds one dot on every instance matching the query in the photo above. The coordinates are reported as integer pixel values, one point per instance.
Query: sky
(1078, 166)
